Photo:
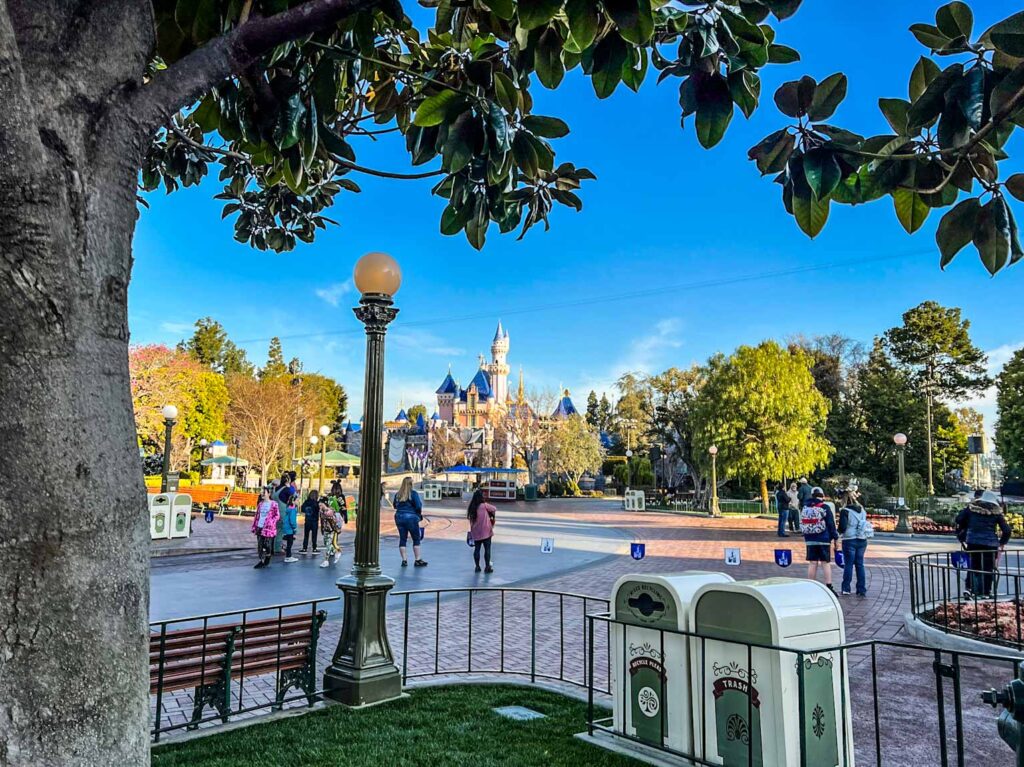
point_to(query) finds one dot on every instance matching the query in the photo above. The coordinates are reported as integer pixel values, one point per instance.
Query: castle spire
(499, 333)
(522, 387)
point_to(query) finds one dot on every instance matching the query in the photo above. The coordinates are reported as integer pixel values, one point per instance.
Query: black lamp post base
(363, 671)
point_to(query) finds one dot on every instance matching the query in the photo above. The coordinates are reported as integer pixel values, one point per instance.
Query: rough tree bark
(75, 118)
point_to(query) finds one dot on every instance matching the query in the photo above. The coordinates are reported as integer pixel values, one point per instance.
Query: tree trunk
(74, 583)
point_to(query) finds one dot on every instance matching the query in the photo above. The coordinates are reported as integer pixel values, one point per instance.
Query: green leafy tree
(935, 345)
(572, 448)
(605, 415)
(674, 395)
(634, 410)
(275, 366)
(275, 97)
(592, 409)
(1010, 408)
(415, 411)
(211, 346)
(761, 408)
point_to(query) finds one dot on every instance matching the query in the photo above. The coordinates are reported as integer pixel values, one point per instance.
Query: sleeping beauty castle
(469, 420)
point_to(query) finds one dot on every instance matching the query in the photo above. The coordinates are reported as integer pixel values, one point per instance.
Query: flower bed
(986, 619)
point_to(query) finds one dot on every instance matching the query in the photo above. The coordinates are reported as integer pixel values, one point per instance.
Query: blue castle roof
(565, 407)
(482, 381)
(435, 416)
(448, 385)
(421, 425)
(402, 415)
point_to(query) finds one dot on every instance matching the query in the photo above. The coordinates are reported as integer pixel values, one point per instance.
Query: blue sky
(665, 217)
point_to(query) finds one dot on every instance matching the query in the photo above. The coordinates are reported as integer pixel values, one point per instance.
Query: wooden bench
(207, 660)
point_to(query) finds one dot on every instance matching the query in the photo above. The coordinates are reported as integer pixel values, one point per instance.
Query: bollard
(1011, 698)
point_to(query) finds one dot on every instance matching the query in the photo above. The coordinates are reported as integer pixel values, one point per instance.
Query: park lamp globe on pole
(170, 414)
(713, 452)
(302, 468)
(903, 525)
(324, 431)
(363, 669)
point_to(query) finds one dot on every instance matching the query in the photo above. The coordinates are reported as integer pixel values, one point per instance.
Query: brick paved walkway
(503, 635)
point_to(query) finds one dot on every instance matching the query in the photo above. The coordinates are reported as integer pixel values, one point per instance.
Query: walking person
(855, 531)
(283, 496)
(976, 527)
(818, 525)
(264, 526)
(794, 508)
(408, 516)
(330, 529)
(481, 529)
(310, 521)
(290, 526)
(782, 505)
(803, 493)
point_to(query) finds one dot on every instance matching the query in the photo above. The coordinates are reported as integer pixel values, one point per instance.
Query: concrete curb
(933, 637)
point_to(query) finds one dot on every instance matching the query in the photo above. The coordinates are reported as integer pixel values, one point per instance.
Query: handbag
(469, 539)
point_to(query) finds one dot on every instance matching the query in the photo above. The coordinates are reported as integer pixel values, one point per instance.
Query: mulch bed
(985, 618)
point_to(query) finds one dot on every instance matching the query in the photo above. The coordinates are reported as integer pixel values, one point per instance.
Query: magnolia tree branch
(19, 139)
(190, 77)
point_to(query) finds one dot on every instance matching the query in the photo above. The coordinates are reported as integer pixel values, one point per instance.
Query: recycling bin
(431, 491)
(159, 516)
(530, 493)
(181, 515)
(650, 667)
(746, 700)
(634, 500)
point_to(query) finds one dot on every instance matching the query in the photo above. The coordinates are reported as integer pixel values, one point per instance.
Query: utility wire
(611, 297)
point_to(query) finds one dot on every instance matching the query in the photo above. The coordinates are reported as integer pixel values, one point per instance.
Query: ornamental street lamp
(324, 431)
(302, 467)
(713, 451)
(629, 468)
(363, 669)
(170, 413)
(903, 525)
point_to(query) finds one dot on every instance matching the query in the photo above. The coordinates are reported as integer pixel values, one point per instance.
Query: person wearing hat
(976, 528)
(818, 525)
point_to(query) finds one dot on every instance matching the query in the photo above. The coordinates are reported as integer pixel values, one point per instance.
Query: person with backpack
(311, 521)
(855, 530)
(818, 525)
(976, 529)
(782, 504)
(330, 529)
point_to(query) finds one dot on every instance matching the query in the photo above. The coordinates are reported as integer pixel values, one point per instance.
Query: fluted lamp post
(903, 524)
(324, 431)
(363, 670)
(170, 414)
(713, 451)
(312, 444)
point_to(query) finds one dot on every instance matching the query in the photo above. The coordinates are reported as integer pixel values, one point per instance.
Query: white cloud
(423, 342)
(332, 293)
(648, 353)
(176, 328)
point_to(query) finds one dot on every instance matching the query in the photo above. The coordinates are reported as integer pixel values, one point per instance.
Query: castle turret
(446, 394)
(498, 368)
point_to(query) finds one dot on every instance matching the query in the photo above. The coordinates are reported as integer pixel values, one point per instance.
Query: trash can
(530, 493)
(431, 491)
(747, 699)
(159, 516)
(650, 668)
(181, 515)
(634, 500)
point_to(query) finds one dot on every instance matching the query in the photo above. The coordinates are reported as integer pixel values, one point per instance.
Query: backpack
(812, 520)
(861, 527)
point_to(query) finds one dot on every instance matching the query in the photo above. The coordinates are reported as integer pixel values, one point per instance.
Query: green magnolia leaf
(911, 210)
(633, 18)
(783, 9)
(506, 92)
(992, 234)
(714, 109)
(930, 104)
(782, 54)
(1015, 185)
(534, 13)
(584, 21)
(207, 114)
(810, 213)
(925, 70)
(503, 9)
(525, 154)
(454, 219)
(821, 171)
(288, 126)
(547, 58)
(828, 94)
(745, 88)
(895, 111)
(499, 129)
(1008, 35)
(434, 109)
(463, 142)
(794, 98)
(955, 20)
(956, 229)
(632, 75)
(929, 36)
(1016, 252)
(548, 127)
(745, 33)
(773, 152)
(609, 56)
(1007, 88)
(972, 98)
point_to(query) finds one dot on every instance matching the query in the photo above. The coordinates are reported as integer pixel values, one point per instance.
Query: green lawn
(436, 726)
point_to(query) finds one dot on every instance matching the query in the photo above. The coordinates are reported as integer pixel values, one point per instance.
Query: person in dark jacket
(408, 517)
(818, 524)
(782, 504)
(976, 528)
(310, 521)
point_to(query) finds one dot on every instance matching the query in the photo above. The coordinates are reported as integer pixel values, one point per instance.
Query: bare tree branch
(19, 137)
(190, 77)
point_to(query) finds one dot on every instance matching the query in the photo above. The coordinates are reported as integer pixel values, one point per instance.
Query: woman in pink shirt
(481, 529)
